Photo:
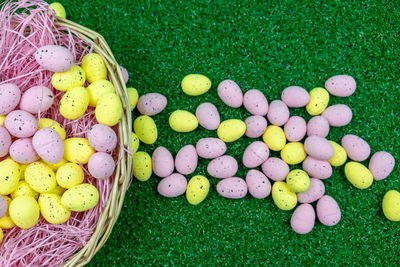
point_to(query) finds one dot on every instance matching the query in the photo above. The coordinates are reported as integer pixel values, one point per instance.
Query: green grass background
(267, 45)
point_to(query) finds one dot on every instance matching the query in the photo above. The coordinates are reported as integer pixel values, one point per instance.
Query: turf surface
(267, 45)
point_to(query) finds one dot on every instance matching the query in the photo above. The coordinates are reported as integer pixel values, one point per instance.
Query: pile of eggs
(41, 168)
(298, 141)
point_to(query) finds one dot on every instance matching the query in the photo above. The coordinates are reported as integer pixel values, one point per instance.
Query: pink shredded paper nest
(24, 27)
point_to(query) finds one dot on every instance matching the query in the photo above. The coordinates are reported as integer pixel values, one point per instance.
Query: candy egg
(102, 138)
(258, 184)
(10, 96)
(40, 177)
(152, 104)
(197, 189)
(223, 167)
(69, 175)
(183, 121)
(3, 206)
(275, 169)
(208, 116)
(391, 205)
(109, 109)
(52, 210)
(298, 181)
(274, 138)
(74, 103)
(49, 145)
(94, 67)
(231, 130)
(381, 165)
(255, 126)
(80, 198)
(54, 58)
(97, 89)
(341, 85)
(357, 148)
(295, 97)
(59, 9)
(5, 221)
(195, 84)
(340, 156)
(22, 151)
(49, 123)
(230, 93)
(101, 165)
(162, 162)
(318, 126)
(24, 211)
(125, 74)
(303, 219)
(78, 150)
(338, 115)
(210, 148)
(186, 160)
(293, 153)
(255, 154)
(278, 113)
(135, 142)
(255, 102)
(328, 211)
(283, 197)
(145, 129)
(21, 124)
(24, 189)
(358, 175)
(133, 97)
(314, 192)
(319, 148)
(233, 188)
(172, 186)
(5, 142)
(319, 100)
(316, 168)
(9, 176)
(37, 98)
(295, 128)
(142, 168)
(74, 77)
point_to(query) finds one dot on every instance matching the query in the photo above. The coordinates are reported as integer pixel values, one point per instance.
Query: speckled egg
(101, 165)
(22, 151)
(133, 97)
(318, 126)
(381, 165)
(210, 148)
(49, 145)
(135, 142)
(319, 100)
(97, 89)
(10, 96)
(74, 77)
(328, 211)
(142, 168)
(208, 116)
(258, 184)
(340, 156)
(195, 84)
(338, 115)
(230, 93)
(197, 189)
(318, 147)
(298, 181)
(162, 162)
(54, 58)
(293, 153)
(233, 188)
(341, 85)
(109, 109)
(151, 104)
(295, 97)
(10, 173)
(40, 177)
(274, 137)
(186, 160)
(37, 98)
(94, 67)
(172, 186)
(59, 9)
(278, 113)
(255, 102)
(21, 124)
(80, 198)
(49, 123)
(78, 150)
(183, 121)
(102, 138)
(223, 167)
(74, 103)
(314, 192)
(69, 175)
(125, 74)
(295, 128)
(357, 148)
(316, 168)
(24, 211)
(391, 205)
(358, 175)
(275, 169)
(5, 142)
(255, 154)
(145, 129)
(255, 126)
(52, 210)
(231, 130)
(303, 219)
(283, 197)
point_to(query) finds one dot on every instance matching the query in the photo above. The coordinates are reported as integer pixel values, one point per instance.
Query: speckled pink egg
(186, 160)
(338, 115)
(316, 168)
(255, 102)
(210, 148)
(278, 113)
(341, 85)
(37, 98)
(258, 184)
(357, 148)
(22, 151)
(5, 141)
(10, 96)
(208, 116)
(125, 74)
(172, 186)
(151, 104)
(295, 128)
(3, 206)
(48, 145)
(295, 97)
(54, 58)
(21, 124)
(255, 154)
(314, 192)
(223, 167)
(162, 162)
(318, 126)
(381, 165)
(318, 147)
(101, 165)
(230, 93)
(303, 219)
(233, 188)
(255, 126)
(328, 211)
(275, 169)
(102, 138)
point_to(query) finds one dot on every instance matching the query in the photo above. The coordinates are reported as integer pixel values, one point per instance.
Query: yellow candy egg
(78, 150)
(94, 67)
(283, 197)
(319, 100)
(40, 177)
(58, 190)
(80, 198)
(298, 181)
(142, 166)
(59, 9)
(10, 173)
(231, 130)
(133, 97)
(52, 210)
(24, 189)
(74, 77)
(24, 211)
(274, 137)
(5, 221)
(293, 153)
(358, 175)
(183, 121)
(109, 109)
(74, 103)
(70, 175)
(55, 167)
(49, 123)
(97, 89)
(145, 129)
(197, 189)
(135, 143)
(340, 156)
(391, 205)
(195, 84)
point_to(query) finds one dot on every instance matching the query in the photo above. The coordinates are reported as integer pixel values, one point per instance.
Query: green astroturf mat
(267, 45)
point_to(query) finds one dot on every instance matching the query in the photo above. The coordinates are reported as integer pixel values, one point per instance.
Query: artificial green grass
(267, 45)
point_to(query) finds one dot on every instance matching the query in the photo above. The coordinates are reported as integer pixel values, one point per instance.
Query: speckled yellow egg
(183, 121)
(40, 177)
(109, 109)
(80, 198)
(5, 221)
(74, 77)
(59, 9)
(135, 142)
(78, 150)
(24, 211)
(52, 210)
(69, 175)
(24, 189)
(195, 84)
(293, 153)
(319, 100)
(95, 67)
(10, 173)
(274, 137)
(340, 156)
(49, 123)
(298, 181)
(283, 197)
(391, 205)
(145, 129)
(74, 103)
(231, 130)
(197, 189)
(97, 89)
(133, 97)
(55, 167)
(358, 175)
(142, 166)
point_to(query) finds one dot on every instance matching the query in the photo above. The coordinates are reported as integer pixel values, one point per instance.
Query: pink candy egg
(21, 124)
(5, 141)
(295, 97)
(151, 104)
(186, 160)
(3, 206)
(319, 148)
(210, 148)
(54, 58)
(230, 93)
(172, 186)
(101, 165)
(255, 126)
(295, 128)
(37, 98)
(381, 165)
(22, 151)
(318, 126)
(255, 154)
(338, 115)
(258, 184)
(278, 113)
(125, 74)
(314, 192)
(233, 188)
(357, 148)
(341, 85)
(223, 167)
(102, 138)
(10, 96)
(303, 219)
(255, 102)
(208, 116)
(275, 169)
(162, 162)
(316, 168)
(328, 211)
(48, 145)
